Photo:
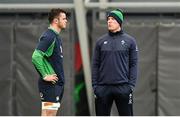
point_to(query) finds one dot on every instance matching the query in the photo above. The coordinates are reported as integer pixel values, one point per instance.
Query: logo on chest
(105, 42)
(122, 42)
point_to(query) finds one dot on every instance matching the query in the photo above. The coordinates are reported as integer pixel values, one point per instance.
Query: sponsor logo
(41, 95)
(105, 42)
(57, 98)
(122, 42)
(130, 99)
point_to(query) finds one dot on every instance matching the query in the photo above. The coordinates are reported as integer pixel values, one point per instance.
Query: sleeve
(133, 64)
(44, 49)
(95, 65)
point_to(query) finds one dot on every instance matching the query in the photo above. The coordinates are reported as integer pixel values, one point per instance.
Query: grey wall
(169, 66)
(6, 79)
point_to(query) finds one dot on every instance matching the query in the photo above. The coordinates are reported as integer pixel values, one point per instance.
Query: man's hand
(51, 78)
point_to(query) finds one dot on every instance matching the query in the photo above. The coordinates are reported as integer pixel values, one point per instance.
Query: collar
(53, 29)
(115, 33)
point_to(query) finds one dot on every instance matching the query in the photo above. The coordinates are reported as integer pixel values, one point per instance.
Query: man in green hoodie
(48, 61)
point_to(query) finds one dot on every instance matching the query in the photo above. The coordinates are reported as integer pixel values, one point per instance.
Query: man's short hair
(54, 13)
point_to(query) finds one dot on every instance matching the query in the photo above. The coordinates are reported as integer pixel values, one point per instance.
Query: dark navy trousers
(106, 94)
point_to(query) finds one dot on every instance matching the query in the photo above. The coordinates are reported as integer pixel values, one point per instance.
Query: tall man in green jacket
(48, 61)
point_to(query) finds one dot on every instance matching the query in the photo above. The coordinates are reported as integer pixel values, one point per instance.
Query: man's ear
(56, 20)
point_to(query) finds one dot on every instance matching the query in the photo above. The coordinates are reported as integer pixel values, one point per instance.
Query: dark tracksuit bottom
(106, 94)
